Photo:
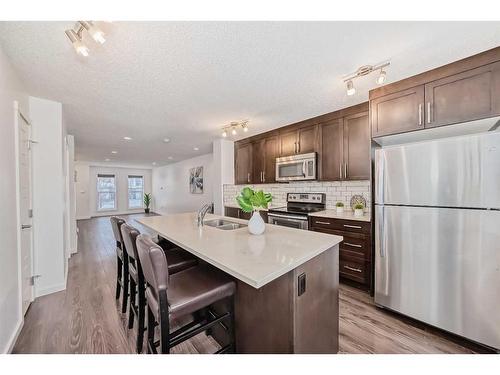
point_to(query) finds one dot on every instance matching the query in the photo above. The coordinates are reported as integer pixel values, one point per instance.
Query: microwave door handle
(304, 168)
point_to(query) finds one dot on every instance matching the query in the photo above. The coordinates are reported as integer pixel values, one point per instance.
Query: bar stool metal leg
(119, 266)
(132, 305)
(125, 277)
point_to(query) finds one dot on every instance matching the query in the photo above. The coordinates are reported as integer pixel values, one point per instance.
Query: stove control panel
(306, 197)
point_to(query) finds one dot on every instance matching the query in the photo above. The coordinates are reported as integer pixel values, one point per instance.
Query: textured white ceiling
(185, 80)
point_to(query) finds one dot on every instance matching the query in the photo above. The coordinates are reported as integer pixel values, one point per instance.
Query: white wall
(82, 170)
(48, 196)
(171, 186)
(223, 168)
(11, 88)
(86, 188)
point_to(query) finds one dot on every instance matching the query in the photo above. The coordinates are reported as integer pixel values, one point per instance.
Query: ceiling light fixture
(76, 41)
(96, 33)
(363, 71)
(170, 157)
(195, 148)
(166, 140)
(127, 138)
(107, 159)
(114, 152)
(350, 88)
(233, 127)
(154, 163)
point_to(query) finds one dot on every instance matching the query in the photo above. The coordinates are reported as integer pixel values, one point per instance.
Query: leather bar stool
(121, 261)
(190, 292)
(178, 260)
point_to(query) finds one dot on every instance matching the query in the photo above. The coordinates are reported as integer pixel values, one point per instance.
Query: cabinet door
(357, 147)
(232, 212)
(307, 139)
(258, 160)
(243, 163)
(271, 152)
(331, 150)
(470, 95)
(398, 113)
(288, 143)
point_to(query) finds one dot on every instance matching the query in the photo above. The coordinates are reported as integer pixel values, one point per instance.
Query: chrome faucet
(203, 211)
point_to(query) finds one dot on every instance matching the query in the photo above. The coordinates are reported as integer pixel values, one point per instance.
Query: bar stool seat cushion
(192, 290)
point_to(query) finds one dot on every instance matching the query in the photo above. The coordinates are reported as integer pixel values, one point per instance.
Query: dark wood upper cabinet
(470, 95)
(331, 150)
(243, 163)
(307, 139)
(271, 152)
(357, 147)
(258, 160)
(288, 142)
(400, 112)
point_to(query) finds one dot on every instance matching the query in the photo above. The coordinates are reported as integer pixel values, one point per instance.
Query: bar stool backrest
(116, 223)
(154, 264)
(129, 235)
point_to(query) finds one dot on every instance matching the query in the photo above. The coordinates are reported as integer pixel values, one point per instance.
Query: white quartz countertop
(255, 260)
(346, 215)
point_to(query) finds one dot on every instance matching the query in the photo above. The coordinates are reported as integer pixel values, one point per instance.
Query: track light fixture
(363, 71)
(75, 36)
(233, 128)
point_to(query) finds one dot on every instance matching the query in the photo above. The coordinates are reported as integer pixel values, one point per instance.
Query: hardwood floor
(85, 318)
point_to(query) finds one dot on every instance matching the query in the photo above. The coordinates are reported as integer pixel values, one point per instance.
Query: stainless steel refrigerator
(437, 233)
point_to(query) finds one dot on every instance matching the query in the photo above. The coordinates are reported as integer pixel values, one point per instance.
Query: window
(106, 192)
(135, 191)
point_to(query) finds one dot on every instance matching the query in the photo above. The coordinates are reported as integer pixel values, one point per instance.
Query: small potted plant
(147, 202)
(252, 201)
(340, 207)
(358, 209)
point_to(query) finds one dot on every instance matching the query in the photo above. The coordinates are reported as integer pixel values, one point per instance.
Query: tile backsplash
(335, 191)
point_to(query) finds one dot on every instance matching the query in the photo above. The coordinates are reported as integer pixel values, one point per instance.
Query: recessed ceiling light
(114, 152)
(195, 148)
(166, 140)
(170, 157)
(154, 163)
(127, 138)
(107, 159)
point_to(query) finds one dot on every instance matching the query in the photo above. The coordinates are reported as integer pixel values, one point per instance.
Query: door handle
(263, 176)
(353, 269)
(345, 170)
(428, 112)
(420, 114)
(248, 177)
(298, 146)
(25, 226)
(322, 222)
(352, 244)
(295, 147)
(352, 226)
(340, 170)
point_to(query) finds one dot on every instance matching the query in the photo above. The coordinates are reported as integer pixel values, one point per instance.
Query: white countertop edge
(261, 283)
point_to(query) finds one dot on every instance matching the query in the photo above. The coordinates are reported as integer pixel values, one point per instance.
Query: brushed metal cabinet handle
(322, 222)
(298, 146)
(420, 114)
(352, 226)
(263, 176)
(352, 244)
(353, 269)
(428, 112)
(340, 170)
(25, 226)
(345, 170)
(248, 177)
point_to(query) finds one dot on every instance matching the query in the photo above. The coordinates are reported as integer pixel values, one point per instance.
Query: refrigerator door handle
(379, 176)
(381, 233)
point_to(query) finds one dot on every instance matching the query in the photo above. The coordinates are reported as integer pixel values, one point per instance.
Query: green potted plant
(358, 209)
(147, 202)
(253, 201)
(339, 207)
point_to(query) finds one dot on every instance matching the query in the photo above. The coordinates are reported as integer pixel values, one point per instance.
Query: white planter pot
(256, 224)
(340, 210)
(358, 212)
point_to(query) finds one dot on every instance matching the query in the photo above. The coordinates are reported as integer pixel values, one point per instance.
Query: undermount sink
(223, 224)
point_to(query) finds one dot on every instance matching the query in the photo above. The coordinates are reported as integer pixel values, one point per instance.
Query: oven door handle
(290, 217)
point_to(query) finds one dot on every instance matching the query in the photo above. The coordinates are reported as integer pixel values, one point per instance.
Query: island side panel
(264, 317)
(316, 315)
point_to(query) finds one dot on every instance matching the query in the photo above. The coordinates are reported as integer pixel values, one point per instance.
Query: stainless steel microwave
(296, 167)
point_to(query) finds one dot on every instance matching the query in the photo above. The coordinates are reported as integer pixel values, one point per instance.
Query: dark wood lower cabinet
(239, 214)
(355, 251)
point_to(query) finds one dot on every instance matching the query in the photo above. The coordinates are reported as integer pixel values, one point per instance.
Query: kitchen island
(287, 281)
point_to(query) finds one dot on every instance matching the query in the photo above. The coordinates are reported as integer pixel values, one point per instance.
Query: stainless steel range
(298, 207)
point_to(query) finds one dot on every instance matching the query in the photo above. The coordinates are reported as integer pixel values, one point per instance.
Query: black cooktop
(298, 210)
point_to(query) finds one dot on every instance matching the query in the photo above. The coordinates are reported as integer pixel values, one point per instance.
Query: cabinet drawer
(356, 246)
(353, 270)
(343, 225)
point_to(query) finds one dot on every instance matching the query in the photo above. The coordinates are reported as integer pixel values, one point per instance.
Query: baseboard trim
(13, 338)
(50, 289)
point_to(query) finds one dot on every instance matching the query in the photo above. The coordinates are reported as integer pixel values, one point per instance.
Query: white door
(25, 211)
